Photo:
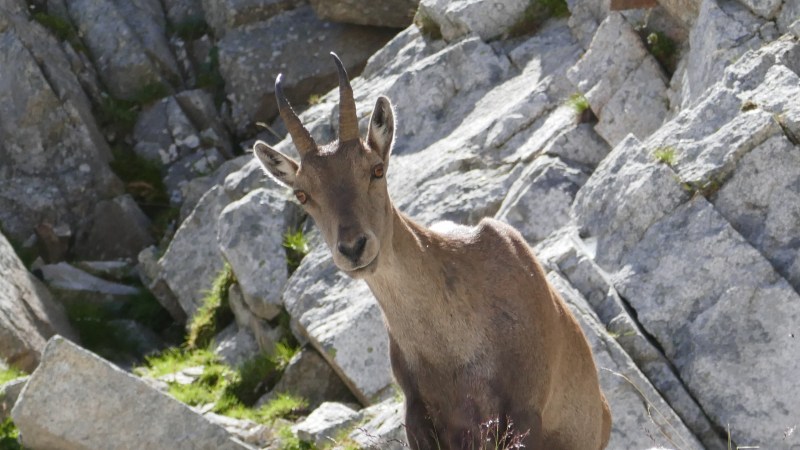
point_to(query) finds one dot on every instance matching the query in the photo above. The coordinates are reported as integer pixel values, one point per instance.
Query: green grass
(665, 155)
(314, 99)
(285, 406)
(9, 436)
(174, 360)
(62, 29)
(288, 441)
(296, 246)
(9, 374)
(215, 313)
(578, 102)
(534, 16)
(92, 321)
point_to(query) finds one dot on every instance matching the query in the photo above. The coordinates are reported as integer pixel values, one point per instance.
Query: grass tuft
(10, 373)
(9, 435)
(284, 406)
(62, 29)
(296, 246)
(215, 313)
(665, 155)
(536, 14)
(288, 440)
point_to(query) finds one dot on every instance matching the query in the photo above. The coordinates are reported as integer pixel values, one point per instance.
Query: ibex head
(342, 185)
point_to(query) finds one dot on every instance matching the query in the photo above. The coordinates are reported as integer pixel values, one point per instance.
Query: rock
(9, 393)
(324, 424)
(310, 377)
(580, 145)
(28, 313)
(195, 188)
(342, 320)
(615, 67)
(130, 407)
(762, 202)
(119, 230)
(249, 67)
(139, 339)
(193, 259)
(235, 345)
(266, 337)
(640, 416)
(127, 43)
(722, 33)
(767, 9)
(364, 12)
(249, 432)
(250, 235)
(149, 270)
(68, 278)
(224, 15)
(184, 11)
(690, 279)
(51, 172)
(487, 19)
(565, 253)
(382, 426)
(538, 202)
(118, 270)
(627, 193)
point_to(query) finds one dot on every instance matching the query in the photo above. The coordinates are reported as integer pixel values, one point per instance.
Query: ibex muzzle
(476, 333)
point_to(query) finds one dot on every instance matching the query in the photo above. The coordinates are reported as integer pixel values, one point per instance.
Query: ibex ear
(277, 165)
(380, 136)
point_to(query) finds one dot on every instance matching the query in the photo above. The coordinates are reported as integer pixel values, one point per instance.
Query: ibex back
(477, 335)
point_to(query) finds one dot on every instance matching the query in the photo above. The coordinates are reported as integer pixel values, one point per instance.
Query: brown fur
(476, 332)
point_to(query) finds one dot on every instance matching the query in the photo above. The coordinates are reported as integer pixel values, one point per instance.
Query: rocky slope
(650, 156)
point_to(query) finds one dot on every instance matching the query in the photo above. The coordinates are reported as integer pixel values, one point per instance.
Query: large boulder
(251, 57)
(54, 157)
(131, 415)
(128, 44)
(487, 19)
(250, 235)
(382, 13)
(28, 314)
(224, 15)
(621, 81)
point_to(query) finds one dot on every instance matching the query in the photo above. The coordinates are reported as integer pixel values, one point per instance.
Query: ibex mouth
(364, 269)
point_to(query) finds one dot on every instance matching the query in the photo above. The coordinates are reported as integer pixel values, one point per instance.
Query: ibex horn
(300, 136)
(348, 120)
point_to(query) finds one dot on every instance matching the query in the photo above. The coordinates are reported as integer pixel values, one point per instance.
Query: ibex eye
(377, 171)
(302, 197)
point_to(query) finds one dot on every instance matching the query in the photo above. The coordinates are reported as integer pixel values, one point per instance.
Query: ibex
(476, 333)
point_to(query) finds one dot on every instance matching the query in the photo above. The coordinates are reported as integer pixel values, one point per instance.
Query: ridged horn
(348, 120)
(300, 136)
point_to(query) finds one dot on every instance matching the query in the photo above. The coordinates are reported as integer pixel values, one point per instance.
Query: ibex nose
(353, 249)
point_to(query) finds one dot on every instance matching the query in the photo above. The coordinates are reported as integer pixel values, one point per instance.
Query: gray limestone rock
(323, 424)
(723, 316)
(380, 13)
(250, 235)
(310, 377)
(119, 230)
(382, 426)
(28, 313)
(132, 414)
(54, 158)
(487, 19)
(127, 42)
(192, 260)
(251, 57)
(226, 15)
(9, 393)
(538, 202)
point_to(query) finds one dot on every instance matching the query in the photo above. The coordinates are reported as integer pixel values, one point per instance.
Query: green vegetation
(661, 46)
(215, 313)
(296, 246)
(285, 406)
(314, 99)
(291, 442)
(578, 102)
(536, 14)
(189, 29)
(94, 323)
(665, 155)
(62, 29)
(9, 374)
(119, 115)
(427, 26)
(706, 187)
(9, 436)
